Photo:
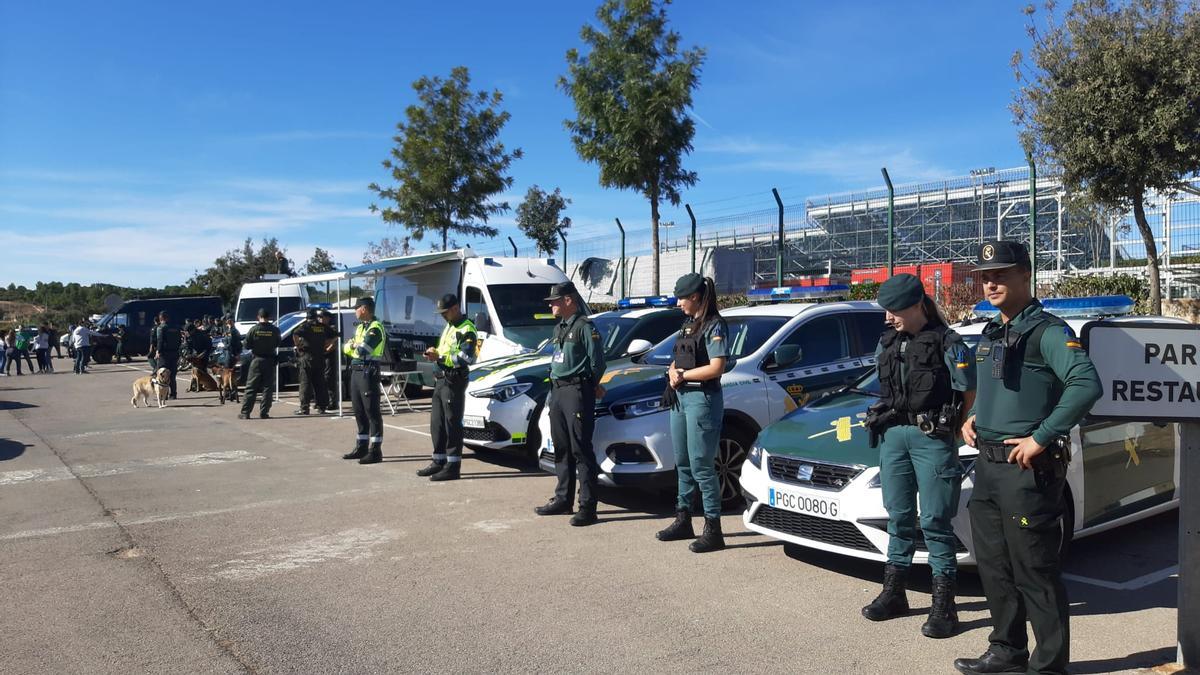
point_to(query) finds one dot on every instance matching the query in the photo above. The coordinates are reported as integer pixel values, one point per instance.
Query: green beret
(688, 284)
(901, 292)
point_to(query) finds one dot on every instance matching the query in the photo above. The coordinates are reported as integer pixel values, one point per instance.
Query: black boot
(943, 615)
(990, 662)
(892, 601)
(374, 455)
(448, 472)
(359, 451)
(678, 530)
(433, 468)
(585, 516)
(554, 507)
(711, 540)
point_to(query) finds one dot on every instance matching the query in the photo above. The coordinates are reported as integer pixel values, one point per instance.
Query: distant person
(9, 347)
(282, 265)
(167, 343)
(311, 338)
(81, 340)
(200, 344)
(41, 347)
(23, 347)
(263, 341)
(330, 358)
(233, 344)
(152, 353)
(56, 340)
(120, 335)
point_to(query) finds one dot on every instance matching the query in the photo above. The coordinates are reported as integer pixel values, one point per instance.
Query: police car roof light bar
(647, 301)
(1077, 308)
(785, 293)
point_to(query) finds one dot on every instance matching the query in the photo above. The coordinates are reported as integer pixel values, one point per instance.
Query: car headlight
(637, 407)
(503, 393)
(755, 456)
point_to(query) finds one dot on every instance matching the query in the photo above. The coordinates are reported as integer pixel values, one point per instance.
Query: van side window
(476, 307)
(821, 340)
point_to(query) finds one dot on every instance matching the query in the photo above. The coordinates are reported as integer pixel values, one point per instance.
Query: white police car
(505, 396)
(780, 356)
(811, 479)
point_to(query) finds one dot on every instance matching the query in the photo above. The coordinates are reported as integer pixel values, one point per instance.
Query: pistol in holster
(879, 418)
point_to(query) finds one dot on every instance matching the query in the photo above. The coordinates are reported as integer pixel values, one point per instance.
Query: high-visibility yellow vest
(360, 335)
(448, 344)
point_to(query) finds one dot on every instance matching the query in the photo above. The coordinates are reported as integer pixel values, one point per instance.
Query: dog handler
(263, 342)
(927, 378)
(365, 351)
(1037, 383)
(697, 408)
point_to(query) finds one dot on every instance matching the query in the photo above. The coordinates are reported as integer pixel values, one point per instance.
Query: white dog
(158, 385)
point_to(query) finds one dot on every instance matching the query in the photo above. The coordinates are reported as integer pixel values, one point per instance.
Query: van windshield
(522, 312)
(248, 307)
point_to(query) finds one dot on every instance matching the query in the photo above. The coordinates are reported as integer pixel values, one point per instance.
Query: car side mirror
(638, 347)
(787, 355)
(483, 322)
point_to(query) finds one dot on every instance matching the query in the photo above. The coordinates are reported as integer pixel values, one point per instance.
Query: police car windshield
(746, 335)
(614, 329)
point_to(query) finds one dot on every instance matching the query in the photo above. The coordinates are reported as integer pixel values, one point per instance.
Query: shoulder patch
(595, 334)
(1071, 341)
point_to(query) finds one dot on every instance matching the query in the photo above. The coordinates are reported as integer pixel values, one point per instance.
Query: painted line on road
(347, 546)
(116, 469)
(1131, 585)
(171, 517)
(115, 432)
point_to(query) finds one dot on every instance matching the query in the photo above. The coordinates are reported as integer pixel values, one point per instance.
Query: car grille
(833, 532)
(491, 433)
(824, 476)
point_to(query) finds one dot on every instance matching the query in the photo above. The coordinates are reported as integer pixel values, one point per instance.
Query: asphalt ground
(185, 540)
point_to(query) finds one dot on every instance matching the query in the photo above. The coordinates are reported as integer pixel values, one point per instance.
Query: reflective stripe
(453, 459)
(362, 437)
(439, 458)
(377, 439)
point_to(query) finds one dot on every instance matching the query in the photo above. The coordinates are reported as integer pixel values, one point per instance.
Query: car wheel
(731, 452)
(102, 355)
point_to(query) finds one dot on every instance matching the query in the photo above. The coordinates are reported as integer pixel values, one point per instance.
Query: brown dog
(201, 380)
(157, 385)
(226, 383)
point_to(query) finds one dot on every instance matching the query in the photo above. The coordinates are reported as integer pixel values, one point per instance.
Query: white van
(266, 292)
(503, 296)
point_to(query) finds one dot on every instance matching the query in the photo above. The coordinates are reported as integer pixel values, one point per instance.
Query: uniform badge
(1072, 341)
(595, 334)
(989, 252)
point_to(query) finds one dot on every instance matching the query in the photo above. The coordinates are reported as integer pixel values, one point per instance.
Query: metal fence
(933, 222)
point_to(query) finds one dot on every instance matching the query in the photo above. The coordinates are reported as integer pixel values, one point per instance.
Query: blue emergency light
(1074, 308)
(320, 305)
(785, 293)
(647, 301)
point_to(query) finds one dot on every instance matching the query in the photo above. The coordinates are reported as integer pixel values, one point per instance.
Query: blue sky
(139, 140)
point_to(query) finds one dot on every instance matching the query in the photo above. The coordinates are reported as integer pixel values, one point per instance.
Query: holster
(879, 419)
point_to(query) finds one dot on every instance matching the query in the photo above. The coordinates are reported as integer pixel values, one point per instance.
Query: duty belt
(364, 366)
(994, 451)
(570, 381)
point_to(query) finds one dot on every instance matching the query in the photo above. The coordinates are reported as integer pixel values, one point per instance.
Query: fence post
(1032, 222)
(693, 217)
(564, 241)
(622, 266)
(514, 245)
(891, 222)
(779, 242)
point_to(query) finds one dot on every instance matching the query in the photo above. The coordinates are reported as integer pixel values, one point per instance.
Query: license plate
(474, 421)
(803, 502)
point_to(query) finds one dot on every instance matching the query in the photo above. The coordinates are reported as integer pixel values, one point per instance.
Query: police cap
(901, 292)
(367, 302)
(446, 302)
(994, 255)
(688, 284)
(560, 291)
(263, 313)
(311, 314)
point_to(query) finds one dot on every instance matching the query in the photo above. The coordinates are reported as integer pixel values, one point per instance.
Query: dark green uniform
(913, 463)
(456, 354)
(696, 420)
(120, 335)
(575, 368)
(310, 338)
(262, 340)
(1034, 380)
(167, 342)
(329, 367)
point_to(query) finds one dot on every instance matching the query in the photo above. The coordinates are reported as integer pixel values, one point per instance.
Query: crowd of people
(18, 345)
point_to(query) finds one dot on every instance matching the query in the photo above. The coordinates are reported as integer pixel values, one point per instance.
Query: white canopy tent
(369, 270)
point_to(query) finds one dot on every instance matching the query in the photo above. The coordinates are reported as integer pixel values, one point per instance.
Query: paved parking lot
(185, 540)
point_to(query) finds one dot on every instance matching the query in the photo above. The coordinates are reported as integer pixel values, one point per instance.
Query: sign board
(1150, 371)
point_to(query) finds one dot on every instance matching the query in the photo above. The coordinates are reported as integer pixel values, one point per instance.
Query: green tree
(1111, 93)
(540, 217)
(448, 162)
(320, 262)
(236, 267)
(631, 92)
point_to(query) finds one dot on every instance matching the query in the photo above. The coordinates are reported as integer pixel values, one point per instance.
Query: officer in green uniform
(167, 342)
(263, 342)
(927, 380)
(452, 360)
(152, 354)
(310, 339)
(1035, 384)
(697, 407)
(121, 335)
(329, 359)
(365, 352)
(575, 372)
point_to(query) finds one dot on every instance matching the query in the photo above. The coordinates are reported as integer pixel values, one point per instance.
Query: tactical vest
(926, 379)
(691, 351)
(168, 339)
(257, 334)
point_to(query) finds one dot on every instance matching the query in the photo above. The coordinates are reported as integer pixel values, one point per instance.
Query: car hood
(828, 429)
(526, 368)
(626, 380)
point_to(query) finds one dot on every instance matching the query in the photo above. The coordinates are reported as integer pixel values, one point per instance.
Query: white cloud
(852, 162)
